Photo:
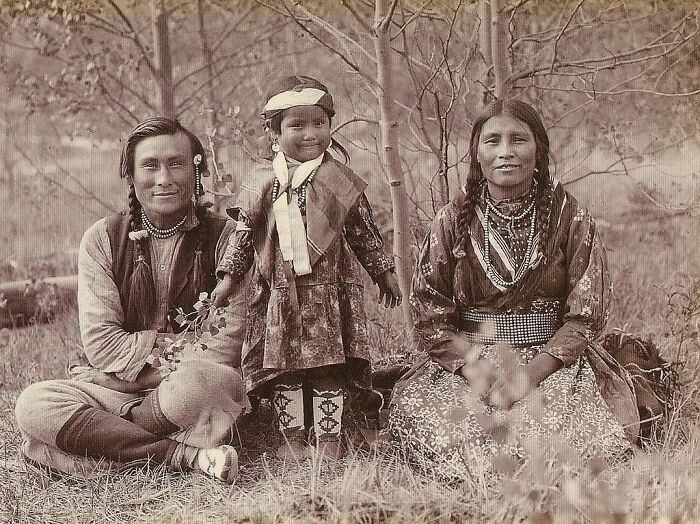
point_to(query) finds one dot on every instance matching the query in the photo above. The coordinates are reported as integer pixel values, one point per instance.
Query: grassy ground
(654, 263)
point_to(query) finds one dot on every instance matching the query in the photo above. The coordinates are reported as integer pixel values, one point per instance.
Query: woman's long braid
(545, 196)
(467, 211)
(141, 301)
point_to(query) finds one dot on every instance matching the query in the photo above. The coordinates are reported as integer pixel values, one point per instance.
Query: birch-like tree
(101, 67)
(588, 65)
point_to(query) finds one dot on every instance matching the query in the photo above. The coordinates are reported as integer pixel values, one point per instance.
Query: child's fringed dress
(331, 323)
(586, 406)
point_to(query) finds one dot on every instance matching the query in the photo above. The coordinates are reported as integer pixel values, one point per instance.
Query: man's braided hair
(140, 304)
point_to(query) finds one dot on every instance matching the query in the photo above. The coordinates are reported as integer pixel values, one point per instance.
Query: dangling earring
(198, 189)
(276, 147)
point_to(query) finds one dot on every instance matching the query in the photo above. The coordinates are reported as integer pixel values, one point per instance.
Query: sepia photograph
(299, 261)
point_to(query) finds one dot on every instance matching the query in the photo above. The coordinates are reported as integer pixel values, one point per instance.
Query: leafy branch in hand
(197, 327)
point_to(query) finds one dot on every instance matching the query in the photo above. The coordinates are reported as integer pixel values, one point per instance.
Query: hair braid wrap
(467, 211)
(141, 303)
(198, 272)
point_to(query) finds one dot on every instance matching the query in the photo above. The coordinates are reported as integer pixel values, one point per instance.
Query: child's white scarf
(291, 231)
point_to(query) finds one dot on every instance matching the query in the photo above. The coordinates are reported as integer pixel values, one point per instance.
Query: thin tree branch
(125, 87)
(224, 36)
(356, 16)
(87, 192)
(561, 33)
(413, 17)
(113, 102)
(352, 120)
(225, 58)
(383, 25)
(135, 37)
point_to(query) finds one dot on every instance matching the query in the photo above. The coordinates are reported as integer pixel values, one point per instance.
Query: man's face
(164, 177)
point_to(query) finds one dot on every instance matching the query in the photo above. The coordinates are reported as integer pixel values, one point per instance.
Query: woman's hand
(389, 291)
(516, 383)
(509, 387)
(224, 289)
(480, 376)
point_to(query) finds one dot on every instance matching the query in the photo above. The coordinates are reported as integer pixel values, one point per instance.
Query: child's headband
(308, 96)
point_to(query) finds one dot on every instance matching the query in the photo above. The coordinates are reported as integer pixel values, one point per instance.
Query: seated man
(135, 269)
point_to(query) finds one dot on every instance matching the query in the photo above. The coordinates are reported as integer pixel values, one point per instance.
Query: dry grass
(650, 261)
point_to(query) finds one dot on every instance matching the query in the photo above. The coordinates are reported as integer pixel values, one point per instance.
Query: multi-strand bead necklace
(490, 270)
(156, 231)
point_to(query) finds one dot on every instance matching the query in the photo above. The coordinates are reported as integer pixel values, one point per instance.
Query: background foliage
(615, 81)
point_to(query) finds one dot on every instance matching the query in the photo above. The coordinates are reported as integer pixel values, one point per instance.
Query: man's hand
(106, 380)
(389, 291)
(148, 378)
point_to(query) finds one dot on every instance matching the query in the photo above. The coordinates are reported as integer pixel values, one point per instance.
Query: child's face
(305, 132)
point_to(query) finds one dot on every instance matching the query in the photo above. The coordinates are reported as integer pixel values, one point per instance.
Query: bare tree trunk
(209, 68)
(485, 43)
(163, 59)
(390, 155)
(499, 49)
(441, 187)
(8, 164)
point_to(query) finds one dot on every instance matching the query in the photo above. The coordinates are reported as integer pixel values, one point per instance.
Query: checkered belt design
(521, 329)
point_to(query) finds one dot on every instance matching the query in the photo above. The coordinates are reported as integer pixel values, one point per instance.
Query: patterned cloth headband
(308, 96)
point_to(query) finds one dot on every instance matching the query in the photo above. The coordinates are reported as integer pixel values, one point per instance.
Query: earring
(198, 189)
(276, 147)
(536, 170)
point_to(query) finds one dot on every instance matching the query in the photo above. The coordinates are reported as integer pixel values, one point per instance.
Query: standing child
(304, 215)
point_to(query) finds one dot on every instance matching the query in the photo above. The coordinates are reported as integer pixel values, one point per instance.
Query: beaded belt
(534, 327)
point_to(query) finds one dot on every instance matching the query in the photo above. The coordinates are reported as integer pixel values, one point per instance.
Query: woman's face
(305, 132)
(164, 177)
(507, 154)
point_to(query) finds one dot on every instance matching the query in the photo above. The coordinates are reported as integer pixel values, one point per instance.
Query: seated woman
(509, 293)
(135, 268)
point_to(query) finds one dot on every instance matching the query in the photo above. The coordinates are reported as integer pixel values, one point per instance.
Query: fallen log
(36, 300)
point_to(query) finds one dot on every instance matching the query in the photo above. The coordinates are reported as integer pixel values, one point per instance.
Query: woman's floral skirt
(446, 428)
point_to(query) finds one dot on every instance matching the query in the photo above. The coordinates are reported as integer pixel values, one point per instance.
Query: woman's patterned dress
(463, 315)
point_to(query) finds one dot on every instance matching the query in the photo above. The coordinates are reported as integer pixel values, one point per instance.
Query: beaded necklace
(301, 192)
(157, 232)
(490, 270)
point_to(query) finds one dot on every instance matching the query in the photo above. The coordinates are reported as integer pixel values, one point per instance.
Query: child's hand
(389, 291)
(223, 290)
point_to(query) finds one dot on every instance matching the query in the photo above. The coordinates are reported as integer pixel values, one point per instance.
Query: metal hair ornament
(138, 235)
(198, 189)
